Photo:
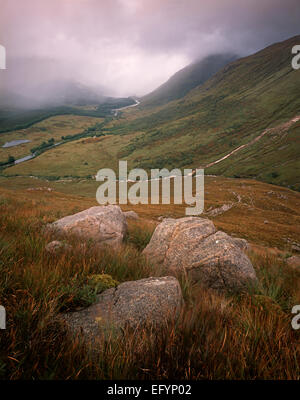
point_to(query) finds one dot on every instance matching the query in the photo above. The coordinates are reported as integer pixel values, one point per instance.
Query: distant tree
(11, 159)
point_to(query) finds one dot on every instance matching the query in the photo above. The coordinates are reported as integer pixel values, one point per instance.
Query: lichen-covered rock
(220, 264)
(103, 224)
(150, 301)
(172, 237)
(242, 243)
(213, 258)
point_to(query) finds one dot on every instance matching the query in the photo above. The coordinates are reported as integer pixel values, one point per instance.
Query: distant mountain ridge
(249, 109)
(228, 110)
(52, 93)
(187, 79)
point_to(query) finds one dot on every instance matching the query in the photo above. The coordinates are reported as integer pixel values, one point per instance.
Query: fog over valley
(62, 49)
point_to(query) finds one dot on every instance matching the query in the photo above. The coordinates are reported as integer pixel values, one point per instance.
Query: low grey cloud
(131, 46)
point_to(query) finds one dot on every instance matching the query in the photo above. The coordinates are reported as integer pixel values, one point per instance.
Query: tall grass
(139, 233)
(216, 337)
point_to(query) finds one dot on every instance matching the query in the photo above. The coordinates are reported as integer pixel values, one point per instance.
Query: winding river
(30, 156)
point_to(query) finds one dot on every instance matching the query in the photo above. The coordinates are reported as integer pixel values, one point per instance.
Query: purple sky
(132, 46)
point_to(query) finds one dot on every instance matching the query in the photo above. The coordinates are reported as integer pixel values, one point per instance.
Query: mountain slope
(230, 109)
(187, 79)
(250, 96)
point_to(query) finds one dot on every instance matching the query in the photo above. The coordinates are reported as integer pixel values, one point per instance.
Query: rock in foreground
(103, 224)
(192, 244)
(151, 301)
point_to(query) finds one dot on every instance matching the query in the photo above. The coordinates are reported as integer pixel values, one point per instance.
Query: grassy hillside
(234, 106)
(53, 127)
(249, 97)
(14, 118)
(261, 213)
(187, 79)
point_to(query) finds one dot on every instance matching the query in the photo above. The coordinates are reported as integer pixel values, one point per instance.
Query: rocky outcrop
(150, 301)
(44, 188)
(219, 210)
(192, 244)
(293, 261)
(131, 215)
(103, 224)
(296, 247)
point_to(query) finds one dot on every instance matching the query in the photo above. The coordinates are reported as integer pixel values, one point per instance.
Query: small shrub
(101, 282)
(73, 295)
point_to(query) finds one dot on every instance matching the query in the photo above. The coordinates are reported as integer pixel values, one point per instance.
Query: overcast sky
(132, 46)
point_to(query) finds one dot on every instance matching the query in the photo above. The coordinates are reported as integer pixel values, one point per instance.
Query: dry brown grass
(217, 337)
(262, 213)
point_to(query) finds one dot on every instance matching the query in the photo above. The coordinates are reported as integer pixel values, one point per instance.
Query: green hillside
(229, 110)
(17, 118)
(187, 79)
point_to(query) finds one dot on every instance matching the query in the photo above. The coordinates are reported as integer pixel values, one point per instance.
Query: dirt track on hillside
(284, 126)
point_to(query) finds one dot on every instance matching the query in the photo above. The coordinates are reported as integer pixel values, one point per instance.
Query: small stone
(55, 246)
(131, 215)
(293, 261)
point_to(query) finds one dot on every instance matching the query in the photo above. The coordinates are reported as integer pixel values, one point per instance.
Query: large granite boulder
(192, 244)
(103, 224)
(242, 243)
(150, 301)
(172, 237)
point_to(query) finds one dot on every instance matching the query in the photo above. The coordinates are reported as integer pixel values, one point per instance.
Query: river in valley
(14, 143)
